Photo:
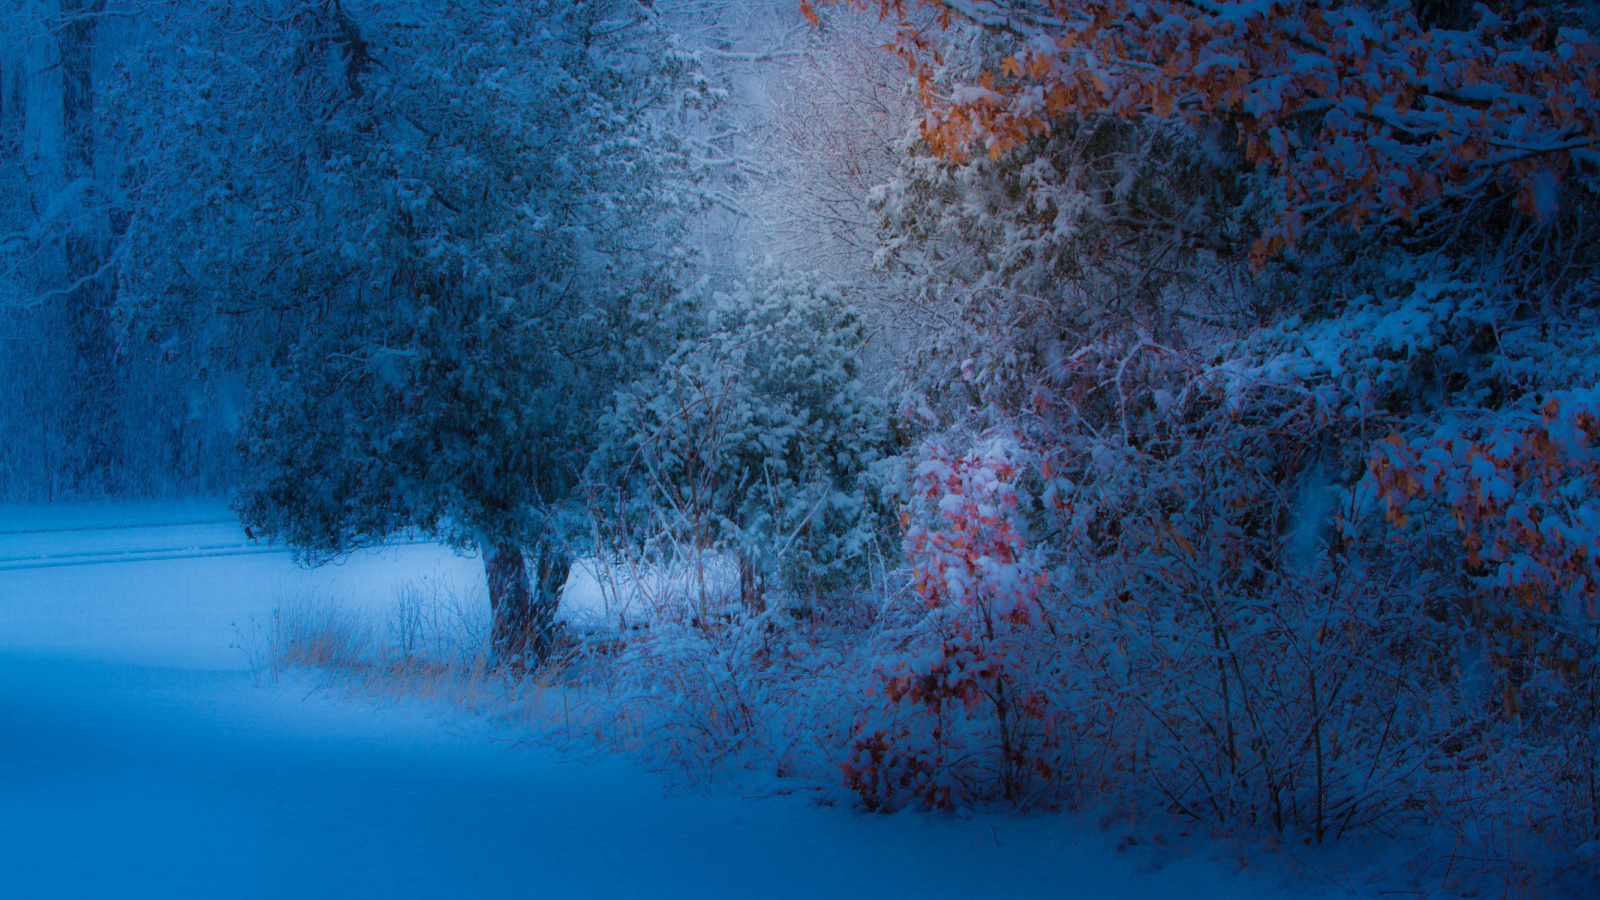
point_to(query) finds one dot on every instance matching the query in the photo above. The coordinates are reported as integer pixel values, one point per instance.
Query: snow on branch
(1363, 109)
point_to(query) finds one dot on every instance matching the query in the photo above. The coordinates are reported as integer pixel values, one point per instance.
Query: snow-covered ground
(139, 758)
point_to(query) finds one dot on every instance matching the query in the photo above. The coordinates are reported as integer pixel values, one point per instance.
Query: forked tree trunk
(524, 612)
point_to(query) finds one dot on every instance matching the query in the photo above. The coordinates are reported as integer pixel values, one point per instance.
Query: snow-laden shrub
(971, 713)
(1174, 658)
(750, 697)
(758, 439)
(1195, 593)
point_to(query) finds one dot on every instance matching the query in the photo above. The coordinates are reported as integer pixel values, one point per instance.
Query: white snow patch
(138, 759)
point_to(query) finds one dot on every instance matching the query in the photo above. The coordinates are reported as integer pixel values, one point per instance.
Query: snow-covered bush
(971, 713)
(759, 438)
(1291, 579)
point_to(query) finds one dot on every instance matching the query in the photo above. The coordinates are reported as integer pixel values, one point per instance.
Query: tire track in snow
(159, 553)
(121, 527)
(130, 556)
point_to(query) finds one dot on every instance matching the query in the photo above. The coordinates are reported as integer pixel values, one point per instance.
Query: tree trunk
(511, 601)
(89, 408)
(524, 612)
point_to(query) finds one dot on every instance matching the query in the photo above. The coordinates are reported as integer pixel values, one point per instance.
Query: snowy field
(140, 758)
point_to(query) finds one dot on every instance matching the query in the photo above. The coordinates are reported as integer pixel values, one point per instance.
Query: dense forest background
(1178, 404)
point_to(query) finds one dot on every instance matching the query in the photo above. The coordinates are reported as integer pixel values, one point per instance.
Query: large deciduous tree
(441, 235)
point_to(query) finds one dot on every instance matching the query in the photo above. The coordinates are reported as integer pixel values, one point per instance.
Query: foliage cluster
(1302, 452)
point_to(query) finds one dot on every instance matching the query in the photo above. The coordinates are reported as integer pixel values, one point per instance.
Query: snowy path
(138, 759)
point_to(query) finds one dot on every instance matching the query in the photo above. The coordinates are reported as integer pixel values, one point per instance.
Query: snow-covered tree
(441, 234)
